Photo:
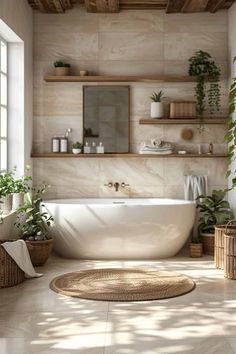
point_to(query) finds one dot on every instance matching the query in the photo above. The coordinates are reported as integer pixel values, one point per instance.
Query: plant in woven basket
(205, 69)
(214, 210)
(32, 221)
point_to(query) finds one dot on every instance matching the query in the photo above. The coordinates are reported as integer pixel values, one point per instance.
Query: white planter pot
(76, 151)
(6, 204)
(18, 200)
(157, 110)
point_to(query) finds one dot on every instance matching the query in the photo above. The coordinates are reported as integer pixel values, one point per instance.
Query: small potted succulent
(77, 147)
(214, 210)
(33, 223)
(61, 68)
(7, 185)
(157, 105)
(195, 246)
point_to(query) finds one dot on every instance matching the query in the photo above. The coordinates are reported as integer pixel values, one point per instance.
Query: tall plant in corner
(205, 69)
(230, 136)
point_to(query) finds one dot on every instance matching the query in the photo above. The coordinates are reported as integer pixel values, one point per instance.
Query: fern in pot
(214, 210)
(157, 105)
(33, 223)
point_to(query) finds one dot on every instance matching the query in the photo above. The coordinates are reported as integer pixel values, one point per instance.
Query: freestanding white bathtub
(120, 228)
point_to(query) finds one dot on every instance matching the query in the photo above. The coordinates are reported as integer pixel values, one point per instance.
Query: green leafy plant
(32, 221)
(205, 69)
(21, 185)
(230, 136)
(214, 210)
(7, 183)
(76, 145)
(61, 64)
(157, 97)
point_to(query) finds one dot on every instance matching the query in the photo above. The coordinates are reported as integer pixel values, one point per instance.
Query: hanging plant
(230, 136)
(204, 68)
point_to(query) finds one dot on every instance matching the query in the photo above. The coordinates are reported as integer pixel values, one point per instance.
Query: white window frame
(5, 106)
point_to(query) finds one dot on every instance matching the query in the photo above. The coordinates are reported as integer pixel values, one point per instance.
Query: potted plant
(21, 187)
(214, 210)
(77, 147)
(33, 223)
(195, 246)
(6, 191)
(61, 68)
(157, 105)
(205, 69)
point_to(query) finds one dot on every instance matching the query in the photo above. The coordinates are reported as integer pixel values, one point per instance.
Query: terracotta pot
(195, 250)
(62, 71)
(6, 204)
(39, 251)
(208, 241)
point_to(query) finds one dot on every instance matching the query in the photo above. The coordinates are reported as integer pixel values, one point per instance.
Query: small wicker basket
(230, 252)
(10, 273)
(39, 251)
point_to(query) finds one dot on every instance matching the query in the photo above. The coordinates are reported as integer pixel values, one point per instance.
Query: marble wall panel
(129, 43)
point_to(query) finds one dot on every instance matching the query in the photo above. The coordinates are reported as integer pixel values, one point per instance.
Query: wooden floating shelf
(128, 155)
(206, 120)
(124, 78)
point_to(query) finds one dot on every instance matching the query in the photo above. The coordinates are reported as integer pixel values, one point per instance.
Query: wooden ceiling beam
(174, 6)
(215, 5)
(194, 6)
(59, 6)
(102, 6)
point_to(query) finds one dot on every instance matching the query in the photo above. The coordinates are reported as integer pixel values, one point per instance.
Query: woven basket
(208, 241)
(10, 273)
(219, 242)
(230, 252)
(39, 251)
(195, 250)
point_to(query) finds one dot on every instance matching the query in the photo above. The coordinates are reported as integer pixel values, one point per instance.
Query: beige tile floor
(34, 319)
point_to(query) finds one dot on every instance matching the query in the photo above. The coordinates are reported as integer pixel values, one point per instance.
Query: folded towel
(166, 152)
(19, 252)
(195, 186)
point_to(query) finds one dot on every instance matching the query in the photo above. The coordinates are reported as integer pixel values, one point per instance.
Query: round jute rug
(117, 284)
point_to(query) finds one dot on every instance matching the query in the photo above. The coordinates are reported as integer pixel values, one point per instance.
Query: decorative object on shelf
(100, 148)
(183, 109)
(55, 144)
(83, 72)
(156, 146)
(93, 148)
(76, 147)
(157, 105)
(33, 224)
(210, 148)
(230, 136)
(63, 144)
(204, 69)
(87, 148)
(61, 68)
(214, 210)
(187, 134)
(230, 252)
(200, 149)
(182, 152)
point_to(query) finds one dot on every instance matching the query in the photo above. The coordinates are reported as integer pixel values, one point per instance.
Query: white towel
(195, 186)
(19, 252)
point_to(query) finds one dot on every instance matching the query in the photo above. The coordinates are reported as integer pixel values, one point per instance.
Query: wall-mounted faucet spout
(116, 185)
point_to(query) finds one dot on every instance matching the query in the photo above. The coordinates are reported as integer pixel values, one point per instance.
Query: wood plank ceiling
(111, 6)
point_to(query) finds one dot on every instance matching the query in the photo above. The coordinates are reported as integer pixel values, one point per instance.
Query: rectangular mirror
(106, 117)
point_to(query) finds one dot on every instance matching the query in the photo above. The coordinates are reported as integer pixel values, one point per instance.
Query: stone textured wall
(131, 42)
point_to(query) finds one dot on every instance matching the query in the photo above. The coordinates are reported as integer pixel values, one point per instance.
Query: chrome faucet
(116, 185)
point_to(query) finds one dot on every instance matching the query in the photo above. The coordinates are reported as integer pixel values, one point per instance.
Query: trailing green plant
(214, 210)
(32, 221)
(61, 64)
(157, 97)
(230, 136)
(205, 69)
(21, 185)
(76, 145)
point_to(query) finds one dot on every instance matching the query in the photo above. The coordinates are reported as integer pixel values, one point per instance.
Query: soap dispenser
(93, 148)
(100, 148)
(87, 148)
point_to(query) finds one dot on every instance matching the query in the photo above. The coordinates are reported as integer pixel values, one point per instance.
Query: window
(3, 105)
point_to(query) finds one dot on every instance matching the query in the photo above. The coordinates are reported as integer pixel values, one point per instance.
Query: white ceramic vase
(76, 151)
(18, 200)
(6, 204)
(157, 110)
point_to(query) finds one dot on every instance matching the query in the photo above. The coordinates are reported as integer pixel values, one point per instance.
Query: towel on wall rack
(195, 186)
